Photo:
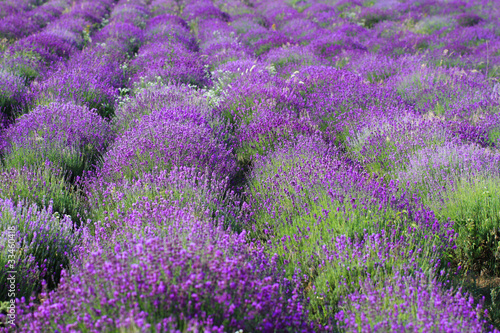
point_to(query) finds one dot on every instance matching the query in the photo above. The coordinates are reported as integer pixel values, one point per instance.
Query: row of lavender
(25, 23)
(288, 189)
(155, 160)
(11, 7)
(432, 129)
(46, 150)
(378, 128)
(434, 142)
(32, 59)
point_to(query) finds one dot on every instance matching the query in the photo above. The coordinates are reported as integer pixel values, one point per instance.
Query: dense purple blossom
(14, 95)
(207, 274)
(409, 303)
(43, 245)
(26, 23)
(171, 63)
(159, 142)
(92, 11)
(66, 134)
(169, 28)
(203, 10)
(47, 46)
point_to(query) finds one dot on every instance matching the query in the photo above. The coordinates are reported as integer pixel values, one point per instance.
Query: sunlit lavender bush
(70, 136)
(193, 277)
(410, 303)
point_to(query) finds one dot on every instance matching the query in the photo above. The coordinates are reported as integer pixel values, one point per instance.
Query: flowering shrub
(65, 134)
(44, 244)
(14, 95)
(410, 304)
(159, 142)
(194, 277)
(41, 184)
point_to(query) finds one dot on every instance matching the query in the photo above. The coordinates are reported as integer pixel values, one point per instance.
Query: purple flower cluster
(408, 303)
(194, 277)
(66, 134)
(14, 96)
(160, 142)
(26, 23)
(44, 243)
(168, 54)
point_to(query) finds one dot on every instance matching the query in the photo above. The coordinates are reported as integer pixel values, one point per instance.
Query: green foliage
(262, 145)
(430, 25)
(494, 136)
(384, 155)
(379, 76)
(434, 93)
(72, 160)
(292, 59)
(341, 62)
(114, 205)
(241, 111)
(336, 276)
(348, 11)
(482, 287)
(26, 66)
(27, 276)
(371, 19)
(327, 46)
(305, 221)
(475, 209)
(11, 106)
(415, 87)
(42, 183)
(490, 70)
(264, 48)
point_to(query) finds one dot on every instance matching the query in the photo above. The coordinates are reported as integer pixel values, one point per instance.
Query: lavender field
(249, 166)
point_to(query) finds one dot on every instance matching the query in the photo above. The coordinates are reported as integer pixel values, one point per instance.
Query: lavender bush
(67, 135)
(251, 165)
(410, 304)
(14, 96)
(41, 184)
(207, 275)
(159, 142)
(43, 246)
